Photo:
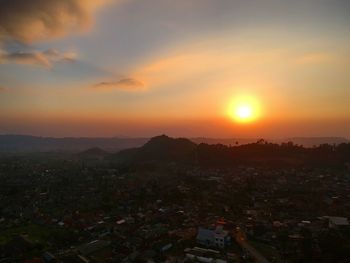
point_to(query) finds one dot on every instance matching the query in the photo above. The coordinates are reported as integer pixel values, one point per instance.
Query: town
(66, 209)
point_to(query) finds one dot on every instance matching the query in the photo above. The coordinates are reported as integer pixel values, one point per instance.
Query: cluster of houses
(54, 213)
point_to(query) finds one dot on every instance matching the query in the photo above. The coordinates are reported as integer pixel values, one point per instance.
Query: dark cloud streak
(130, 84)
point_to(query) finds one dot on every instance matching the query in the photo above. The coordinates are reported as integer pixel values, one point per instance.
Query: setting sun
(244, 109)
(244, 112)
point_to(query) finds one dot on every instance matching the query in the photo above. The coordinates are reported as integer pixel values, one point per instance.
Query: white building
(217, 237)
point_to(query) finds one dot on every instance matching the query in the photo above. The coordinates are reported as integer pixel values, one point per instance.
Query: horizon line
(188, 137)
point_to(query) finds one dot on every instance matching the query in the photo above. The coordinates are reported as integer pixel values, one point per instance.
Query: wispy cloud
(44, 59)
(128, 84)
(36, 20)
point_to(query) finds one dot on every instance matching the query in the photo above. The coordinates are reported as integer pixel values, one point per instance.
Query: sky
(147, 67)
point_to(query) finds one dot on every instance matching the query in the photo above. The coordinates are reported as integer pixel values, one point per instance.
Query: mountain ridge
(30, 143)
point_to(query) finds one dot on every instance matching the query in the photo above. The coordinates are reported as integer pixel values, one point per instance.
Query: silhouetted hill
(161, 149)
(168, 149)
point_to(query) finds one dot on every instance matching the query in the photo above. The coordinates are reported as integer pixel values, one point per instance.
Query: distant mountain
(315, 141)
(25, 143)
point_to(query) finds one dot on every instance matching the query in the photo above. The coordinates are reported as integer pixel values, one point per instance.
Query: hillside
(161, 149)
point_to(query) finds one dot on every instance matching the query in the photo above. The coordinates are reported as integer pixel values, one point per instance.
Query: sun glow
(244, 112)
(244, 109)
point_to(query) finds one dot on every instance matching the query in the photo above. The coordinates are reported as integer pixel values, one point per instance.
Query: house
(217, 237)
(222, 237)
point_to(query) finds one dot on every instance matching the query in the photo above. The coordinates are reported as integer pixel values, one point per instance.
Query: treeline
(266, 153)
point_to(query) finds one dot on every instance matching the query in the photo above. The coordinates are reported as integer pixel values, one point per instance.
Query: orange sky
(146, 68)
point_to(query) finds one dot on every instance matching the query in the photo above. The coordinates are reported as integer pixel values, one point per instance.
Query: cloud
(129, 84)
(37, 20)
(28, 22)
(44, 59)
